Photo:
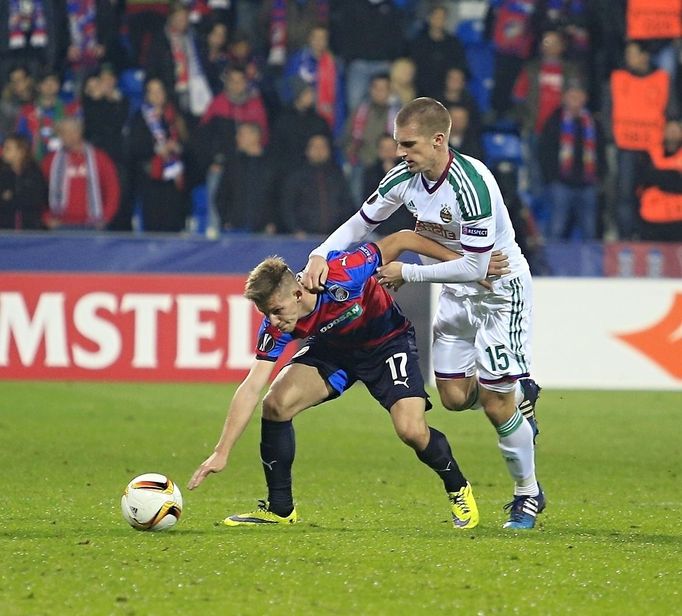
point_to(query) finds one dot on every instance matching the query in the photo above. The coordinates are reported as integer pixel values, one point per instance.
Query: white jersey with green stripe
(463, 210)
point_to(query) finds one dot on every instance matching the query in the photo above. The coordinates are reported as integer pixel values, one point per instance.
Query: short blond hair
(428, 114)
(266, 279)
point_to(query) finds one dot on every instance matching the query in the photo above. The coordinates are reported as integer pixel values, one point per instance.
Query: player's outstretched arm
(239, 414)
(355, 229)
(393, 245)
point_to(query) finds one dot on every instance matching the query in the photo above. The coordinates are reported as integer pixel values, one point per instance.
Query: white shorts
(486, 333)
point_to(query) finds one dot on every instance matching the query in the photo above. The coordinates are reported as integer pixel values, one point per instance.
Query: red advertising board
(125, 327)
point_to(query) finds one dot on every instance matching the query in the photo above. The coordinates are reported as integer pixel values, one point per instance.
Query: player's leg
(455, 328)
(503, 347)
(454, 353)
(296, 388)
(432, 448)
(394, 379)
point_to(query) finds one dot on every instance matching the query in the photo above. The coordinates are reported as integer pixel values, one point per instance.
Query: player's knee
(275, 407)
(413, 433)
(454, 401)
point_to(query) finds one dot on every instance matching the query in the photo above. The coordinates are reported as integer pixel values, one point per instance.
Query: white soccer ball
(151, 502)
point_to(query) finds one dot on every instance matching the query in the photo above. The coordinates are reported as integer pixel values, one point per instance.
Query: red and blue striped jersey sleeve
(271, 342)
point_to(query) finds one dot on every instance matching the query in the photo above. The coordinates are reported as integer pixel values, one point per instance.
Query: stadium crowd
(276, 116)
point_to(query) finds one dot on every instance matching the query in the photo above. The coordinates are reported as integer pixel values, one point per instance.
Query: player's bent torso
(354, 311)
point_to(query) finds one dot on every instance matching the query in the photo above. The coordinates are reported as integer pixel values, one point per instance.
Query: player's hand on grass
(499, 264)
(314, 276)
(391, 275)
(213, 464)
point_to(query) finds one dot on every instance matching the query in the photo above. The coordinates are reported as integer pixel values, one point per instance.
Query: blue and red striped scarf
(27, 24)
(161, 125)
(323, 75)
(83, 28)
(567, 145)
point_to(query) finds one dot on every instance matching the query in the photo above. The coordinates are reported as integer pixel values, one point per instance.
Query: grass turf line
(375, 537)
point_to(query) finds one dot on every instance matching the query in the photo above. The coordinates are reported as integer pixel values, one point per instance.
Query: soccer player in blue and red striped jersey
(354, 331)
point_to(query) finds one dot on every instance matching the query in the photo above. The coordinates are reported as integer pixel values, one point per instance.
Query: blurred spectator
(91, 30)
(144, 21)
(368, 35)
(84, 192)
(315, 64)
(315, 198)
(174, 59)
(244, 198)
(30, 35)
(37, 120)
(660, 24)
(247, 16)
(239, 102)
(242, 55)
(105, 114)
(18, 92)
(294, 128)
(453, 8)
(464, 137)
(402, 75)
(23, 189)
(639, 100)
(571, 18)
(286, 25)
(512, 27)
(202, 13)
(455, 92)
(157, 137)
(528, 237)
(607, 21)
(214, 55)
(373, 174)
(434, 51)
(373, 117)
(537, 94)
(537, 91)
(660, 188)
(572, 160)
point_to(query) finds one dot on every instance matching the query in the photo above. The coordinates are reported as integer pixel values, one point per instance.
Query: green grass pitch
(375, 536)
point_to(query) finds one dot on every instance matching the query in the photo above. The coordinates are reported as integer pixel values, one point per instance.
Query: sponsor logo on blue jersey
(338, 292)
(350, 315)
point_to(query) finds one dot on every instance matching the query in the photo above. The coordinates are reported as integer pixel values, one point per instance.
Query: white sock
(518, 451)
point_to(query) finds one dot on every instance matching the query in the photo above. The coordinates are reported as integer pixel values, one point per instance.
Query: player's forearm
(471, 267)
(393, 245)
(240, 412)
(355, 229)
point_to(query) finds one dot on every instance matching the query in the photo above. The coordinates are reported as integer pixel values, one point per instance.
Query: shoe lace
(262, 504)
(459, 501)
(515, 508)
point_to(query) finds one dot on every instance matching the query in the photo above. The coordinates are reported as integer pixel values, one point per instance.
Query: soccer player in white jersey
(481, 337)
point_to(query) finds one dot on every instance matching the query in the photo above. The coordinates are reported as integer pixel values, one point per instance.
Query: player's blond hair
(427, 114)
(267, 278)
